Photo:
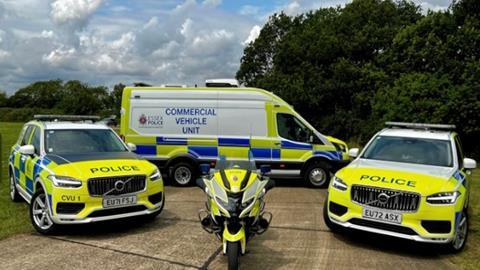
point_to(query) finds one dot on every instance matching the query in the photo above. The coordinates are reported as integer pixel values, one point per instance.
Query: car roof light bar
(53, 117)
(420, 126)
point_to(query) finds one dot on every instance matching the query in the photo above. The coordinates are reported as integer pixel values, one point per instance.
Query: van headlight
(443, 197)
(65, 181)
(156, 175)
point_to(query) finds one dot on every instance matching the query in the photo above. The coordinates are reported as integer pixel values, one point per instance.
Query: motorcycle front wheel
(233, 253)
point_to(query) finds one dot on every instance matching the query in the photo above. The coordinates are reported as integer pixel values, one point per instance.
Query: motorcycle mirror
(205, 169)
(265, 169)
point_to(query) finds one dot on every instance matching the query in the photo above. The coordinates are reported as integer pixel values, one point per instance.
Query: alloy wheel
(41, 213)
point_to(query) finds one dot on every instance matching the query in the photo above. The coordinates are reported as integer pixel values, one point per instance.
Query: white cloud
(77, 11)
(248, 10)
(212, 3)
(292, 9)
(254, 33)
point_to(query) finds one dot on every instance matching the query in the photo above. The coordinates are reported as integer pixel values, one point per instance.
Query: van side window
(36, 141)
(289, 127)
(458, 146)
(26, 136)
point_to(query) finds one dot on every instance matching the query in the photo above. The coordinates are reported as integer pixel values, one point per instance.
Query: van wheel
(183, 174)
(14, 195)
(40, 214)
(317, 174)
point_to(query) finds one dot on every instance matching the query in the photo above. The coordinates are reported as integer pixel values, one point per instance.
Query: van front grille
(385, 198)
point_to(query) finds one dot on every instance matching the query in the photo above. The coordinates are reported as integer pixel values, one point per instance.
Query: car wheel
(183, 174)
(461, 234)
(317, 174)
(332, 226)
(14, 195)
(40, 215)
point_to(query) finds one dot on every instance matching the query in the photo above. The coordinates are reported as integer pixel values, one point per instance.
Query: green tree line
(349, 69)
(58, 97)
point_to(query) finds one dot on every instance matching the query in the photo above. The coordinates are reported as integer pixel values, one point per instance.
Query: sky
(105, 42)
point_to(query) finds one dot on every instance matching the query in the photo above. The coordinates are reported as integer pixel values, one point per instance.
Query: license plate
(119, 201)
(385, 216)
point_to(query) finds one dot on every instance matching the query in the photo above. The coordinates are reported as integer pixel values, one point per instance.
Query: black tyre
(317, 174)
(183, 174)
(14, 195)
(233, 253)
(461, 235)
(40, 215)
(332, 226)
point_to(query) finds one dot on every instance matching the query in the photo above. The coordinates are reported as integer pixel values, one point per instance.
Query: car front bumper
(412, 226)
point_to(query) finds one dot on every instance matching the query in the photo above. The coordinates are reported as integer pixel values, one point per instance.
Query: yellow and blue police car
(71, 171)
(410, 181)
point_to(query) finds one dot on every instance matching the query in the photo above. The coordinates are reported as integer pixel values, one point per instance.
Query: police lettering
(398, 181)
(115, 169)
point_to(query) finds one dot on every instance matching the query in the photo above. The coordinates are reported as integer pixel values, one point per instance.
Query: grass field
(14, 216)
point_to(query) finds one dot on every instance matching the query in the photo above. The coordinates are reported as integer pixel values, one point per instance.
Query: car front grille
(107, 186)
(392, 199)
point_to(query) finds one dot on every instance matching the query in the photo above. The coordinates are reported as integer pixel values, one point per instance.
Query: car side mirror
(353, 152)
(311, 139)
(469, 163)
(264, 169)
(132, 147)
(205, 169)
(27, 150)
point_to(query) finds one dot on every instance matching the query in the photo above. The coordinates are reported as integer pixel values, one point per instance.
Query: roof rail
(420, 126)
(56, 118)
(222, 83)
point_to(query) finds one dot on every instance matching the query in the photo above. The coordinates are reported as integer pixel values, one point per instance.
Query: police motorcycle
(235, 204)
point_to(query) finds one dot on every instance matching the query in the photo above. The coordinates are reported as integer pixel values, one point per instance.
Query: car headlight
(339, 184)
(65, 181)
(443, 198)
(156, 175)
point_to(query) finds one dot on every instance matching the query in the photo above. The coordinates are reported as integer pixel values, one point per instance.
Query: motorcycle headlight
(444, 198)
(339, 184)
(156, 175)
(65, 181)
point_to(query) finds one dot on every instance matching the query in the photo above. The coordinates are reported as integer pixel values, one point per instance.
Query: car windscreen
(78, 141)
(410, 150)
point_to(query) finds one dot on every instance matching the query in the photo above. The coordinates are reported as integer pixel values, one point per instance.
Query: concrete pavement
(297, 239)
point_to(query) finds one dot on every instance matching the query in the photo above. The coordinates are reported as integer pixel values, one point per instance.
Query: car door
(31, 161)
(21, 160)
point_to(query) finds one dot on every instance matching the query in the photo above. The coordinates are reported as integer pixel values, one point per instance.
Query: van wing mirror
(205, 169)
(27, 150)
(132, 147)
(353, 152)
(469, 163)
(264, 169)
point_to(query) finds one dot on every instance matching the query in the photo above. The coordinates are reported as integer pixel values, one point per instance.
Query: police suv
(411, 181)
(71, 170)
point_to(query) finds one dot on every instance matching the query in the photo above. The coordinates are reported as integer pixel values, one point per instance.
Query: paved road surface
(297, 239)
